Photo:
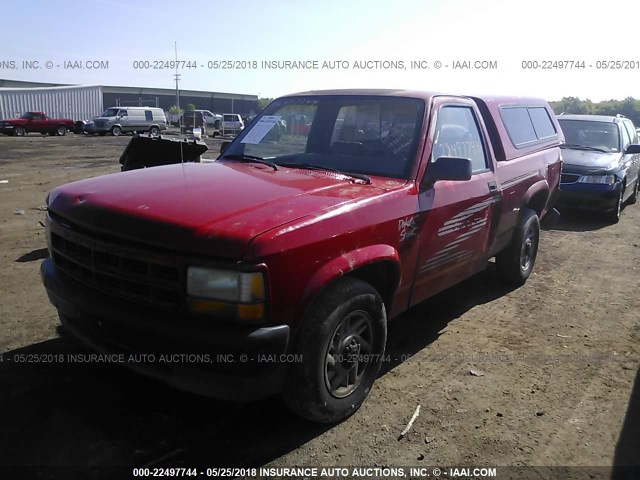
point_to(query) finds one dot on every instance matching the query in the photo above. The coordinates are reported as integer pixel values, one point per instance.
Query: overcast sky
(505, 32)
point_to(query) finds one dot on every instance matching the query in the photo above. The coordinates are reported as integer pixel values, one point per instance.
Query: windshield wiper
(250, 158)
(582, 147)
(309, 166)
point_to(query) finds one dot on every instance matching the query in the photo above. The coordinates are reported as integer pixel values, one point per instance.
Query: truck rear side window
(148, 116)
(541, 122)
(527, 125)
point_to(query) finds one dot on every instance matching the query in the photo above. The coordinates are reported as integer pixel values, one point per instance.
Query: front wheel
(515, 263)
(116, 131)
(341, 341)
(61, 130)
(19, 131)
(634, 196)
(614, 215)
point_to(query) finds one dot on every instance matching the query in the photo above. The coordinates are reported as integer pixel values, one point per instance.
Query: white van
(119, 120)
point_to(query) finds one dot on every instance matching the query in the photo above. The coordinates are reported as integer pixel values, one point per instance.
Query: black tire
(19, 131)
(116, 131)
(61, 130)
(613, 216)
(154, 130)
(634, 196)
(342, 340)
(515, 263)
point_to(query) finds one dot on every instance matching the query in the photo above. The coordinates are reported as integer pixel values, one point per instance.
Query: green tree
(263, 102)
(191, 107)
(174, 110)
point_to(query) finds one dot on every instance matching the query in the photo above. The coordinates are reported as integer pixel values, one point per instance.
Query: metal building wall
(76, 103)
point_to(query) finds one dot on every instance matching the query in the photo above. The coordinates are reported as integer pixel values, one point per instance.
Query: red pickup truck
(276, 268)
(35, 122)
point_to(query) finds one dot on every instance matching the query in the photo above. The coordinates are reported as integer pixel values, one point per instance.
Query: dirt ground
(557, 361)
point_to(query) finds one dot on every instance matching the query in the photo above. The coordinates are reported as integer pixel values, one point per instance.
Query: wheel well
(382, 275)
(538, 201)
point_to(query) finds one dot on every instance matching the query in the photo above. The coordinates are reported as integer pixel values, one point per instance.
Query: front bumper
(228, 362)
(584, 196)
(7, 129)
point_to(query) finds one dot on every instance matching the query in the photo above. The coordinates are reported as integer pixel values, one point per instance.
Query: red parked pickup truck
(35, 122)
(276, 268)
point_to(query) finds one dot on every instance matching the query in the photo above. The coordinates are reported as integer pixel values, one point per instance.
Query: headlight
(599, 179)
(237, 296)
(225, 285)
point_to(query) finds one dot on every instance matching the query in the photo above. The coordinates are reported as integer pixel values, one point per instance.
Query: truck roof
(490, 107)
(425, 95)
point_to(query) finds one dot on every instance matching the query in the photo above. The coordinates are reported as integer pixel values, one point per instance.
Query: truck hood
(590, 159)
(211, 209)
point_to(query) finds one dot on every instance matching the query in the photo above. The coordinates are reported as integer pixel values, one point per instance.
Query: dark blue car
(601, 162)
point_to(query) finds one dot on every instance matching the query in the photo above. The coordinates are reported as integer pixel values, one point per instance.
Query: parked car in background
(211, 119)
(119, 120)
(286, 257)
(601, 163)
(36, 122)
(193, 119)
(231, 124)
(79, 126)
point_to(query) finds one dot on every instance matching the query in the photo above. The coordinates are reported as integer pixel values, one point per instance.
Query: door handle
(493, 186)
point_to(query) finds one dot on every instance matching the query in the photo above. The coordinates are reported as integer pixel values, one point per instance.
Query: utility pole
(177, 76)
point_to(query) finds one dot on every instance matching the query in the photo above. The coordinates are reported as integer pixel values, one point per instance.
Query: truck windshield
(586, 133)
(110, 112)
(372, 135)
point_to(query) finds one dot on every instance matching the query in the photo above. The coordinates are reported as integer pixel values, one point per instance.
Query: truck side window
(458, 135)
(122, 113)
(148, 116)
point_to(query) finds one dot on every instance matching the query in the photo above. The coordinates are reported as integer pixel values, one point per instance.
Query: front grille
(118, 270)
(569, 178)
(100, 123)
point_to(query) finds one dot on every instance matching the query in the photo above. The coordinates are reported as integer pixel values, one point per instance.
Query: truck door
(38, 123)
(458, 215)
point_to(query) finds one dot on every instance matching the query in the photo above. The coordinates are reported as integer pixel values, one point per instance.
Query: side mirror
(632, 149)
(447, 168)
(224, 146)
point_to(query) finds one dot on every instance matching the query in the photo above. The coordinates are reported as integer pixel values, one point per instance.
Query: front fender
(348, 262)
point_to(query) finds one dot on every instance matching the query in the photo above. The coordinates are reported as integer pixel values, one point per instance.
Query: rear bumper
(584, 196)
(223, 361)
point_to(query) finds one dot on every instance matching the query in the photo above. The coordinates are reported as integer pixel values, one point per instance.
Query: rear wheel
(516, 262)
(341, 341)
(19, 131)
(61, 130)
(116, 131)
(154, 130)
